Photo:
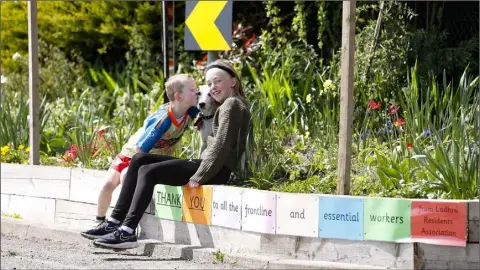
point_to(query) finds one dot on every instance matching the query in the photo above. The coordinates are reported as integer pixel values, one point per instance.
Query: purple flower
(427, 133)
(384, 131)
(364, 135)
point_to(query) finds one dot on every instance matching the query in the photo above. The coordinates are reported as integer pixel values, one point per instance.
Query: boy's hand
(198, 123)
(192, 184)
(138, 150)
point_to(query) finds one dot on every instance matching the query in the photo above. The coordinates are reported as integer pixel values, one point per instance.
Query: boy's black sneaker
(119, 239)
(100, 230)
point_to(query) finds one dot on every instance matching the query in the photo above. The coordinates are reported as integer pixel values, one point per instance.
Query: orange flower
(398, 122)
(373, 105)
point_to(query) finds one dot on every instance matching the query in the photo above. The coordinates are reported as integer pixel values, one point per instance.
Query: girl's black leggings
(144, 172)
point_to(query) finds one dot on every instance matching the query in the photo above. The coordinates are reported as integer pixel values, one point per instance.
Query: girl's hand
(193, 184)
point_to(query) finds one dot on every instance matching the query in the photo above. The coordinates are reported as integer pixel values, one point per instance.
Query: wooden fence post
(346, 97)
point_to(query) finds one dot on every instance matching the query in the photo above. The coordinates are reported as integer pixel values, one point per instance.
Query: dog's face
(205, 103)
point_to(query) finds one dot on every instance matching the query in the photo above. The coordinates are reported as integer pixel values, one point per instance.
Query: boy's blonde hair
(175, 84)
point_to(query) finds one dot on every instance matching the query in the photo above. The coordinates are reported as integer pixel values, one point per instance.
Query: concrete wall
(68, 197)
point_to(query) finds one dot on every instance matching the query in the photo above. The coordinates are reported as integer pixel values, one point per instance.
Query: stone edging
(67, 197)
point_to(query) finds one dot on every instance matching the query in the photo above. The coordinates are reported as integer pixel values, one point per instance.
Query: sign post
(346, 98)
(171, 36)
(208, 27)
(34, 118)
(212, 56)
(165, 47)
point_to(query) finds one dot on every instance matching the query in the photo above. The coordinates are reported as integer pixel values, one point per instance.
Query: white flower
(16, 56)
(3, 79)
(328, 84)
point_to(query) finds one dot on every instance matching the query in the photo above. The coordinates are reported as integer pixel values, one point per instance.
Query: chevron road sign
(208, 25)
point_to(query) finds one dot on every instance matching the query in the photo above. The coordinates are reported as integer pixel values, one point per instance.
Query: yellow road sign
(208, 25)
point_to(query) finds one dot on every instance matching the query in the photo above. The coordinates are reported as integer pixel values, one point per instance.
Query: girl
(231, 127)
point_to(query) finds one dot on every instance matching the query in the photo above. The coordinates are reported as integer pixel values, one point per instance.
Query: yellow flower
(5, 150)
(328, 84)
(28, 149)
(21, 147)
(309, 98)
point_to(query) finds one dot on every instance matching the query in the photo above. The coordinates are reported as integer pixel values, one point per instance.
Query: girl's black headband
(231, 73)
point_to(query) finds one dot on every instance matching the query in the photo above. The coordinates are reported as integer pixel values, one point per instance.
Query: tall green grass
(449, 115)
(14, 119)
(284, 107)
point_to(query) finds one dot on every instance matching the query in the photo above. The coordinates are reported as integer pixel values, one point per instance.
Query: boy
(161, 132)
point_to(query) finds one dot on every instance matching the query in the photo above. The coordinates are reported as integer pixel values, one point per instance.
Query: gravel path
(35, 253)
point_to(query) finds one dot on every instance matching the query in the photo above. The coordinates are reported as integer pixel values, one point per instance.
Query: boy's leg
(113, 180)
(105, 196)
(123, 174)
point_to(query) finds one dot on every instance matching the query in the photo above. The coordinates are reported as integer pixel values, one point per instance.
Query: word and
(342, 217)
(169, 199)
(226, 206)
(386, 219)
(197, 203)
(438, 209)
(299, 215)
(260, 211)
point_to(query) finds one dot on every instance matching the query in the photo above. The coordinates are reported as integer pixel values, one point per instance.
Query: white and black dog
(207, 107)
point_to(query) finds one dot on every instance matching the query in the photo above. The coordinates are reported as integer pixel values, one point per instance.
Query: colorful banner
(440, 223)
(297, 214)
(387, 219)
(312, 215)
(341, 217)
(258, 211)
(168, 202)
(197, 205)
(227, 207)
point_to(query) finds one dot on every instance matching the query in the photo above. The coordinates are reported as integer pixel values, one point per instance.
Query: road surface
(35, 253)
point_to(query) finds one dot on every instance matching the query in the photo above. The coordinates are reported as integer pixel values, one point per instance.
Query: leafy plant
(452, 155)
(14, 119)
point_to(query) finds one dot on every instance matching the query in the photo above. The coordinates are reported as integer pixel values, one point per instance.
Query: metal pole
(212, 56)
(165, 47)
(33, 123)
(172, 33)
(346, 98)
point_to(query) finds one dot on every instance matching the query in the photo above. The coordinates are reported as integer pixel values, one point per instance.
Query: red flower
(409, 145)
(70, 154)
(394, 109)
(373, 105)
(73, 150)
(101, 131)
(398, 122)
(249, 41)
(203, 61)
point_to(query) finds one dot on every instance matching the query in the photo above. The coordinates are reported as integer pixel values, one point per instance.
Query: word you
(197, 203)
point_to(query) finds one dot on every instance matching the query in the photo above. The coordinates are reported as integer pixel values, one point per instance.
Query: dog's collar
(204, 117)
